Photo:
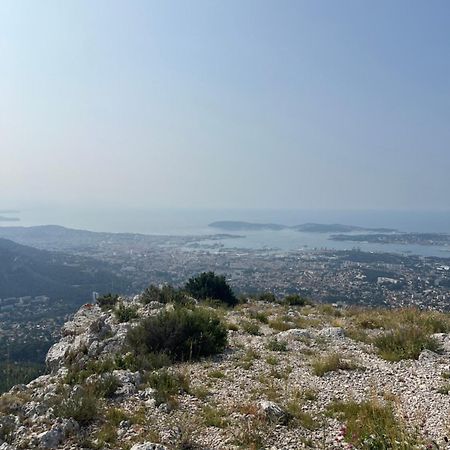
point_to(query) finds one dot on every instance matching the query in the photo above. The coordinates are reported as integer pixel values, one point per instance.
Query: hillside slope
(28, 271)
(291, 377)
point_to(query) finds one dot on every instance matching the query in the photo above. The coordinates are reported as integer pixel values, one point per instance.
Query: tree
(208, 285)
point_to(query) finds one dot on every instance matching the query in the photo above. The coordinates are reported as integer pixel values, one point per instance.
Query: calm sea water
(195, 222)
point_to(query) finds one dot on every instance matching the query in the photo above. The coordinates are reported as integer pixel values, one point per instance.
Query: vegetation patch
(405, 343)
(182, 334)
(371, 425)
(331, 363)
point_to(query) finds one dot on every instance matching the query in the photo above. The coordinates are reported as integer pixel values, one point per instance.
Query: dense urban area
(133, 261)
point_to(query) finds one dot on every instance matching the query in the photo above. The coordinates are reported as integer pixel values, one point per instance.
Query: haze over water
(195, 222)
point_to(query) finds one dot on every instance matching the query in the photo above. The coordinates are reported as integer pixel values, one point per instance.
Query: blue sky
(236, 104)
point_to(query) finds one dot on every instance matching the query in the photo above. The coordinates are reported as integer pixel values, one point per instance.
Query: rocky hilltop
(291, 375)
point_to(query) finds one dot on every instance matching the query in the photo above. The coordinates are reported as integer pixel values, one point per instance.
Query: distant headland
(231, 225)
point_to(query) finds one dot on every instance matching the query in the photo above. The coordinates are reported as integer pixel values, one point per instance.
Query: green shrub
(214, 417)
(107, 301)
(405, 343)
(260, 316)
(268, 297)
(82, 406)
(165, 294)
(208, 285)
(167, 385)
(330, 363)
(277, 346)
(294, 300)
(250, 327)
(125, 313)
(106, 386)
(182, 334)
(371, 425)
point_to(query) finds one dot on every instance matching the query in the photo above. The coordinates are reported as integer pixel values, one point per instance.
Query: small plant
(250, 327)
(214, 417)
(232, 326)
(201, 392)
(272, 360)
(372, 425)
(216, 374)
(330, 363)
(259, 316)
(107, 301)
(294, 300)
(83, 406)
(106, 386)
(277, 346)
(405, 343)
(299, 417)
(268, 297)
(182, 334)
(280, 325)
(167, 385)
(125, 313)
(444, 389)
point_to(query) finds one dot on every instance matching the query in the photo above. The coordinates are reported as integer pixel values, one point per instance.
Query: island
(232, 225)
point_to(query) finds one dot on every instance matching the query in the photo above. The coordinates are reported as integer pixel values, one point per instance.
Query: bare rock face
(90, 334)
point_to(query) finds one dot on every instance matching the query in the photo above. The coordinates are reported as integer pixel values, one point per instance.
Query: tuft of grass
(214, 417)
(246, 360)
(405, 343)
(444, 389)
(250, 327)
(298, 417)
(330, 363)
(168, 385)
(272, 360)
(125, 313)
(216, 374)
(279, 324)
(277, 346)
(201, 392)
(372, 425)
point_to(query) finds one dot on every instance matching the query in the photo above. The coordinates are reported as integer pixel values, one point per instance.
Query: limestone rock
(149, 446)
(273, 412)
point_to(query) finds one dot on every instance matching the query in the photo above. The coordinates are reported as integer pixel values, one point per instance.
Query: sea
(183, 222)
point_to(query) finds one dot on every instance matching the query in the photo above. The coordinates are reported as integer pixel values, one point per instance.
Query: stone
(332, 332)
(273, 412)
(295, 333)
(149, 446)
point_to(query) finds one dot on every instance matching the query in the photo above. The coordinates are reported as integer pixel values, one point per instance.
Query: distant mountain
(306, 227)
(29, 271)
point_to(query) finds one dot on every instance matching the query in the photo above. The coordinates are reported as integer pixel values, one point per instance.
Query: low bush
(268, 297)
(250, 327)
(405, 343)
(208, 285)
(277, 346)
(371, 425)
(294, 300)
(167, 385)
(83, 406)
(165, 294)
(107, 301)
(331, 363)
(182, 334)
(125, 313)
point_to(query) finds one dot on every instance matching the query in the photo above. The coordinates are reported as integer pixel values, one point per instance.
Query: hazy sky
(296, 104)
